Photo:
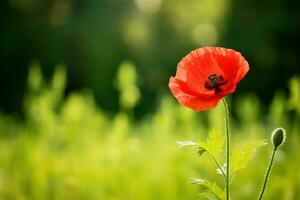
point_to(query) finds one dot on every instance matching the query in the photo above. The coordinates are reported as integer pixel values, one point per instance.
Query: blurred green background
(85, 108)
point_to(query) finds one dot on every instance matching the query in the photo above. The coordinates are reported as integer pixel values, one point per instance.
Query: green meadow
(66, 147)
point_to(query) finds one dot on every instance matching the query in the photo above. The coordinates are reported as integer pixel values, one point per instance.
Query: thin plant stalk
(218, 164)
(227, 148)
(267, 175)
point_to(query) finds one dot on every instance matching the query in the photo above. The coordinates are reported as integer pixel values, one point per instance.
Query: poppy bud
(278, 137)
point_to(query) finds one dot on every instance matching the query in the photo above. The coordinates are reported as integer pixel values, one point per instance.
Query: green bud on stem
(278, 137)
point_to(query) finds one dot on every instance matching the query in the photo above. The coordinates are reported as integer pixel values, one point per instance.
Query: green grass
(68, 148)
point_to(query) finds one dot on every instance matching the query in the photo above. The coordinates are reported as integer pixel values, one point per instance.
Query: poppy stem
(267, 175)
(227, 148)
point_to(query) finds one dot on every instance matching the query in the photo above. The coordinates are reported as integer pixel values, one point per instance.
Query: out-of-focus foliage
(126, 84)
(293, 102)
(94, 37)
(69, 148)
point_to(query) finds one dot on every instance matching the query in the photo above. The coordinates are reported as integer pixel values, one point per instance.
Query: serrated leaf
(241, 157)
(211, 190)
(186, 143)
(214, 143)
(208, 195)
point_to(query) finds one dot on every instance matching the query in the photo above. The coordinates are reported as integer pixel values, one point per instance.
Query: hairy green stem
(227, 148)
(267, 175)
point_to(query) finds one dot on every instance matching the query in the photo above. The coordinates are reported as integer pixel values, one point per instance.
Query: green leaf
(208, 195)
(241, 157)
(214, 143)
(186, 143)
(211, 190)
(197, 181)
(200, 151)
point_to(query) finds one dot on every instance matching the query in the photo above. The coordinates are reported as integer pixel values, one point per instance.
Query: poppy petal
(230, 61)
(190, 99)
(196, 67)
(242, 71)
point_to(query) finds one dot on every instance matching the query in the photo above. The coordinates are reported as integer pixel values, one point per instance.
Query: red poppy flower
(206, 75)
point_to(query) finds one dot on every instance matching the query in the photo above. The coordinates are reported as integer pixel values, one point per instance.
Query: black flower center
(215, 82)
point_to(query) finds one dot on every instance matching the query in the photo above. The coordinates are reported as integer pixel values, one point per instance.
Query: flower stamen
(215, 82)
